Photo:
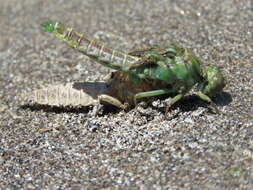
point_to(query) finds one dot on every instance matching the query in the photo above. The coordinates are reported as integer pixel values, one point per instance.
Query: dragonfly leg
(207, 99)
(171, 101)
(104, 98)
(152, 93)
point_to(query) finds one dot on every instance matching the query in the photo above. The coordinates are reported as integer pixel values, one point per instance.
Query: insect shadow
(223, 99)
(192, 103)
(107, 109)
(54, 109)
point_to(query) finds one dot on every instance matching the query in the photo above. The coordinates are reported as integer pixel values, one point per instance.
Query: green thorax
(173, 65)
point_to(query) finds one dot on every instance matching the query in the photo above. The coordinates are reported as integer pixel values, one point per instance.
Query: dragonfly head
(214, 81)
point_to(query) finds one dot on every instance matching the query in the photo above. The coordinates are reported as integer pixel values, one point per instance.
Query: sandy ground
(57, 148)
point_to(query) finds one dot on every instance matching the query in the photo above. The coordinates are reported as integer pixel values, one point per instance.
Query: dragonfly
(146, 73)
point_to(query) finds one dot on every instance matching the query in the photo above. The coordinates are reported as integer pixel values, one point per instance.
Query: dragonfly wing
(141, 51)
(149, 55)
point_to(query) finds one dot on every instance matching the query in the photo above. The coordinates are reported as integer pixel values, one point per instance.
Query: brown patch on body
(122, 88)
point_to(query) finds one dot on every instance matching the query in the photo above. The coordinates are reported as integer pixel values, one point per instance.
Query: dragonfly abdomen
(90, 47)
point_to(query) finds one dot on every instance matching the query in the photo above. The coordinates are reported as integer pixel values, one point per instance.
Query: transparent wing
(152, 55)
